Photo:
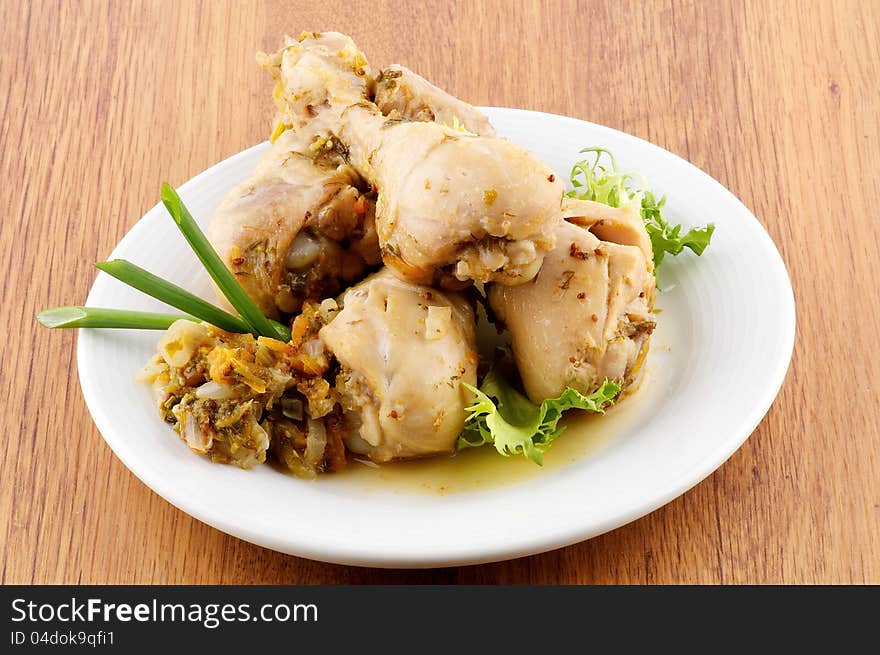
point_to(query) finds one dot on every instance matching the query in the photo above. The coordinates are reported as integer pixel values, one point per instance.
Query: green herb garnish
(503, 416)
(171, 294)
(251, 319)
(97, 317)
(593, 180)
(221, 275)
(177, 297)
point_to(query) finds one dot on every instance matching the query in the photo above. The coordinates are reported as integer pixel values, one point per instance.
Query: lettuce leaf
(666, 238)
(503, 416)
(592, 179)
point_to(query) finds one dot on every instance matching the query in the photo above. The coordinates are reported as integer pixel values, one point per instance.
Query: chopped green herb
(503, 416)
(592, 179)
(98, 317)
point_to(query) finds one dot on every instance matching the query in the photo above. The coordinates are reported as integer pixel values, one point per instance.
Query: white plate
(719, 356)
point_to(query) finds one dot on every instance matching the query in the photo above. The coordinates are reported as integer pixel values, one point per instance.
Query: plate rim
(465, 555)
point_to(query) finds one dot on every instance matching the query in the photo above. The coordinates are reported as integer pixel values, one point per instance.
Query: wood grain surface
(777, 100)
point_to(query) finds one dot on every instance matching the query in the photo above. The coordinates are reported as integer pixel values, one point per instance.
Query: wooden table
(779, 101)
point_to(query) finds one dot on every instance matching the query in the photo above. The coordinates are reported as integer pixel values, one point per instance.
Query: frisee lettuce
(503, 416)
(592, 179)
(500, 414)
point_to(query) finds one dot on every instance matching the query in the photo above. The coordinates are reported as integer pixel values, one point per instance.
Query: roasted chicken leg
(586, 317)
(401, 93)
(404, 350)
(453, 206)
(298, 227)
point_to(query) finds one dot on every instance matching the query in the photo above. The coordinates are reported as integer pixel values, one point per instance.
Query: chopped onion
(327, 309)
(249, 457)
(303, 252)
(492, 259)
(438, 322)
(180, 342)
(313, 347)
(279, 379)
(213, 390)
(316, 442)
(160, 393)
(521, 252)
(356, 443)
(152, 370)
(292, 408)
(195, 437)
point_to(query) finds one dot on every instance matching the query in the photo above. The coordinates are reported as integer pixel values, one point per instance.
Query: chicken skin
(401, 93)
(298, 228)
(452, 206)
(404, 350)
(586, 317)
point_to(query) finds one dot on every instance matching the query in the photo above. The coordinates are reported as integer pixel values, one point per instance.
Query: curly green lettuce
(502, 416)
(592, 179)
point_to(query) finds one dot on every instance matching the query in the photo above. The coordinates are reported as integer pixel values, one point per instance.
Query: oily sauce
(474, 469)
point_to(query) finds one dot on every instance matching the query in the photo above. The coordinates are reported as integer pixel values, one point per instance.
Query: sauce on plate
(475, 469)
